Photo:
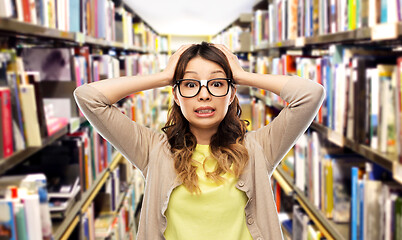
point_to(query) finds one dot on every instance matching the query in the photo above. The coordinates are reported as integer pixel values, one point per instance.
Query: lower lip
(205, 115)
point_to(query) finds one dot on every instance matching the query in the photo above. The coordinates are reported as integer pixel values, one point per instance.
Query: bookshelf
(237, 35)
(385, 160)
(64, 230)
(362, 35)
(19, 29)
(16, 34)
(307, 43)
(20, 156)
(329, 228)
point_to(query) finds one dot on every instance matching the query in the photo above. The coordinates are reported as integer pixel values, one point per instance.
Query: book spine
(6, 122)
(384, 11)
(7, 222)
(354, 196)
(26, 10)
(21, 222)
(30, 116)
(352, 14)
(33, 218)
(399, 107)
(398, 218)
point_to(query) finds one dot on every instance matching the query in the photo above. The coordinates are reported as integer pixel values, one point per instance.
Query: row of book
(290, 19)
(36, 87)
(363, 96)
(302, 226)
(96, 18)
(346, 188)
(29, 113)
(148, 108)
(296, 224)
(236, 38)
(118, 223)
(255, 111)
(31, 203)
(24, 207)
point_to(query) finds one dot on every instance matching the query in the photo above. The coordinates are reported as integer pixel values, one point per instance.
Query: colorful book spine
(6, 120)
(354, 202)
(7, 223)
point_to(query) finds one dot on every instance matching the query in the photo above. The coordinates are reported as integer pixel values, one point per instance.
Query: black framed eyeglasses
(217, 87)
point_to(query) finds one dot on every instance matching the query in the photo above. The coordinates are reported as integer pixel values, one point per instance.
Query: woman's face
(204, 111)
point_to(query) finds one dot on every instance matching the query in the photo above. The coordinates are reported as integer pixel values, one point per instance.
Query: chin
(205, 124)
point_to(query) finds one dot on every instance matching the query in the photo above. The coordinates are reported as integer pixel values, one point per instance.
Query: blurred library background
(59, 179)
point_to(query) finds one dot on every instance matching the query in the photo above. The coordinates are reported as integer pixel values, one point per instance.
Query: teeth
(205, 111)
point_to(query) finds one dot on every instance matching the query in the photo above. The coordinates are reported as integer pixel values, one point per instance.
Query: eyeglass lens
(190, 88)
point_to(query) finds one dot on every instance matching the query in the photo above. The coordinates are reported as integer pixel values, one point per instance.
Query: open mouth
(205, 111)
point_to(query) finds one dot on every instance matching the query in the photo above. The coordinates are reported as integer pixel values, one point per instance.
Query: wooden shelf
(65, 228)
(23, 29)
(384, 160)
(330, 229)
(20, 156)
(361, 34)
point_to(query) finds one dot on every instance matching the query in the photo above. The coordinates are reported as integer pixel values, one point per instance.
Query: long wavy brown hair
(227, 144)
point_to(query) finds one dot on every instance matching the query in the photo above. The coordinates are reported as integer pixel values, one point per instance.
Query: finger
(222, 46)
(224, 49)
(183, 48)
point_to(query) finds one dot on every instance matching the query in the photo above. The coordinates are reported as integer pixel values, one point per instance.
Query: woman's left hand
(234, 63)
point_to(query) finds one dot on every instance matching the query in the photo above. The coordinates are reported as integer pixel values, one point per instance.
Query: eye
(190, 85)
(217, 84)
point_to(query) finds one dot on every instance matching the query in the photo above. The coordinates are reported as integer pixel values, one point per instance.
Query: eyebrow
(216, 71)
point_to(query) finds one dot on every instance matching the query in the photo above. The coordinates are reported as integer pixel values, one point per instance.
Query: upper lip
(204, 108)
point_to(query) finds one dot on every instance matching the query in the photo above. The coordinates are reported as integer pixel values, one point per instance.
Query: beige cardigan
(149, 151)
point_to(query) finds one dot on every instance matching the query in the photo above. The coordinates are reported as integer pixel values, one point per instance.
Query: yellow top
(216, 213)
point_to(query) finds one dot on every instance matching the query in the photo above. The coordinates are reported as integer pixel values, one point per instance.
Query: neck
(203, 136)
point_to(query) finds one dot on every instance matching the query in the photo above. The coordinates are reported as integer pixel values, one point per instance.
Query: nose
(204, 95)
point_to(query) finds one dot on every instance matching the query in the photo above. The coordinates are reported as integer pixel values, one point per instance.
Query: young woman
(206, 178)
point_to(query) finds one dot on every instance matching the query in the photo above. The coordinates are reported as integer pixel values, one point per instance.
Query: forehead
(200, 65)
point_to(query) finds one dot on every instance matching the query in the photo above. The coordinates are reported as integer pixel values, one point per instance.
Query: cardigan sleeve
(278, 137)
(131, 139)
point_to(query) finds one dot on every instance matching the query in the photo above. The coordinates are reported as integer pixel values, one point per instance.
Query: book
(6, 9)
(7, 147)
(17, 120)
(371, 208)
(29, 112)
(387, 121)
(398, 106)
(32, 214)
(300, 222)
(354, 225)
(8, 228)
(103, 224)
(398, 218)
(341, 169)
(33, 78)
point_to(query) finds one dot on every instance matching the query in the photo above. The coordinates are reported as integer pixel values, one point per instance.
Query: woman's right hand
(171, 65)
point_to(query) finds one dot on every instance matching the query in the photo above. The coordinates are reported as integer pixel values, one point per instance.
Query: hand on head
(234, 63)
(171, 65)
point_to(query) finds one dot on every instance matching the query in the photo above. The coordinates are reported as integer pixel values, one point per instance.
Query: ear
(232, 94)
(175, 96)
